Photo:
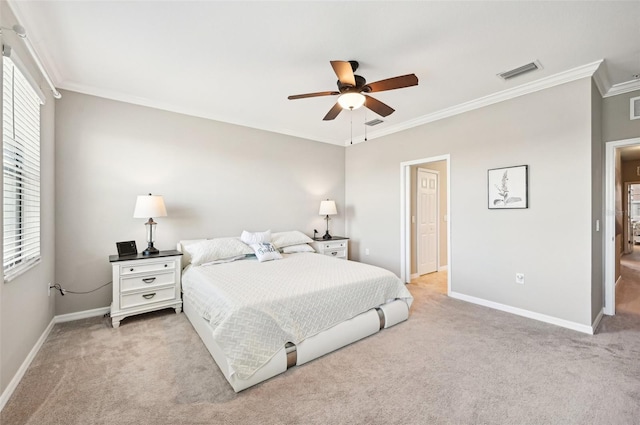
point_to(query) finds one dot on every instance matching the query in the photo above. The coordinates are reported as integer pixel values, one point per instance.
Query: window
(21, 169)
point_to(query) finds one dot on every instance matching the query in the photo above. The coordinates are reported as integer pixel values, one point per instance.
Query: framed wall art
(509, 187)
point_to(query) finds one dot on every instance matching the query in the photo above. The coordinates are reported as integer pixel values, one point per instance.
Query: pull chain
(365, 125)
(351, 117)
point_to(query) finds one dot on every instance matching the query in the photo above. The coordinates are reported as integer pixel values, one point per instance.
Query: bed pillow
(216, 249)
(265, 251)
(255, 237)
(182, 247)
(297, 248)
(225, 260)
(294, 237)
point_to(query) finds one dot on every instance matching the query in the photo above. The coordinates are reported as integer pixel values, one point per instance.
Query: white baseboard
(525, 313)
(443, 268)
(6, 394)
(414, 275)
(82, 314)
(596, 322)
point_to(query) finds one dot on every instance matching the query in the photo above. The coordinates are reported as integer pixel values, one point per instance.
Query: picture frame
(127, 248)
(508, 187)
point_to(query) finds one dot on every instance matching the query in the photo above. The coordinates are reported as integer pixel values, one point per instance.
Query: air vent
(533, 66)
(635, 108)
(376, 122)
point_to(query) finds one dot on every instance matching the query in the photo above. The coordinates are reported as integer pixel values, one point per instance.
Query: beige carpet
(450, 363)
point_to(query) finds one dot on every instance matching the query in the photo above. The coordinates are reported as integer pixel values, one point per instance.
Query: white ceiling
(238, 61)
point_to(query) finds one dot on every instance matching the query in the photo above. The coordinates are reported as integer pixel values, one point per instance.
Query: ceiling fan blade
(378, 107)
(321, 93)
(333, 112)
(344, 72)
(394, 83)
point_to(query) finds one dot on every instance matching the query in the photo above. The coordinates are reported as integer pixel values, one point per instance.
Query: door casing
(405, 217)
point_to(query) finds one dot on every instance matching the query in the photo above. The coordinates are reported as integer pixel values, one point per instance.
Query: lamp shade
(328, 208)
(148, 206)
(351, 100)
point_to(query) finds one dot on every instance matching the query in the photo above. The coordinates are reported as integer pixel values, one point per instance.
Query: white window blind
(21, 169)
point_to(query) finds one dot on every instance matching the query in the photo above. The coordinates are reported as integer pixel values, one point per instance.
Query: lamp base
(151, 250)
(327, 236)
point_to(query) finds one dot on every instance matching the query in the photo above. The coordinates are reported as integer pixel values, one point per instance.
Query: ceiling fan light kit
(351, 100)
(351, 89)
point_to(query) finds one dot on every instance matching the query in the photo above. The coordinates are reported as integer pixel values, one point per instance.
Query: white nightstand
(337, 246)
(143, 283)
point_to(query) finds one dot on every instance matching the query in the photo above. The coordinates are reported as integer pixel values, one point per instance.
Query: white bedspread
(255, 308)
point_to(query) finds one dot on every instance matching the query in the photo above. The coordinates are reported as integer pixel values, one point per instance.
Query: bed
(257, 319)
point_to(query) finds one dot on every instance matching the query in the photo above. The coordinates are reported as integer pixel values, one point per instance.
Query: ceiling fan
(351, 89)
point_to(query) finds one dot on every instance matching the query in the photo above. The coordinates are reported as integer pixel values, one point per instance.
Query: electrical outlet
(520, 278)
(366, 251)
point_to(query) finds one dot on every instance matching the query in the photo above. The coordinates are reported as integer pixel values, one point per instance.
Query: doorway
(409, 217)
(618, 234)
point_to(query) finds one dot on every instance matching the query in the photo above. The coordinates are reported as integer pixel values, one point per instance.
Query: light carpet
(451, 363)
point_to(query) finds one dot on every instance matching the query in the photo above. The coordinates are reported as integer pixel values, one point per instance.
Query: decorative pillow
(297, 248)
(265, 251)
(255, 237)
(293, 237)
(216, 249)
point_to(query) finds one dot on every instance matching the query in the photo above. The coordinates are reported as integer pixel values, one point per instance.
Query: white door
(427, 228)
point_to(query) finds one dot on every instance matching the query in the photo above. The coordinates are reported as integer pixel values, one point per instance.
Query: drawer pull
(130, 270)
(334, 253)
(149, 296)
(148, 279)
(166, 265)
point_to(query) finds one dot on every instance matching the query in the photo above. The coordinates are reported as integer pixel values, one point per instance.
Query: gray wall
(550, 241)
(26, 308)
(217, 179)
(616, 124)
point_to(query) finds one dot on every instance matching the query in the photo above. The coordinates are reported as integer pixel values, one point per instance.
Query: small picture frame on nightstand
(126, 248)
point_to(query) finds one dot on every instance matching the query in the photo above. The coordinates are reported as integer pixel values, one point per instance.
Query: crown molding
(622, 88)
(544, 83)
(602, 81)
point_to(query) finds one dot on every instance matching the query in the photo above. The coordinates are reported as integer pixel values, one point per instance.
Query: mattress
(255, 308)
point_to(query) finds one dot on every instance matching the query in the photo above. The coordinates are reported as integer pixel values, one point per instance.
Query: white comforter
(255, 308)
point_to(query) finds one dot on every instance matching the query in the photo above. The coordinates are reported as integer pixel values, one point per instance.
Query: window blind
(21, 170)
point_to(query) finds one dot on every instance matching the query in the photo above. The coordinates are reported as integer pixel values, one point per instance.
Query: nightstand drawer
(337, 248)
(147, 297)
(147, 281)
(146, 268)
(326, 246)
(338, 253)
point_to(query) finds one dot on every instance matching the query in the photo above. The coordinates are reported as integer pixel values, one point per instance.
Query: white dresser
(337, 246)
(145, 283)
